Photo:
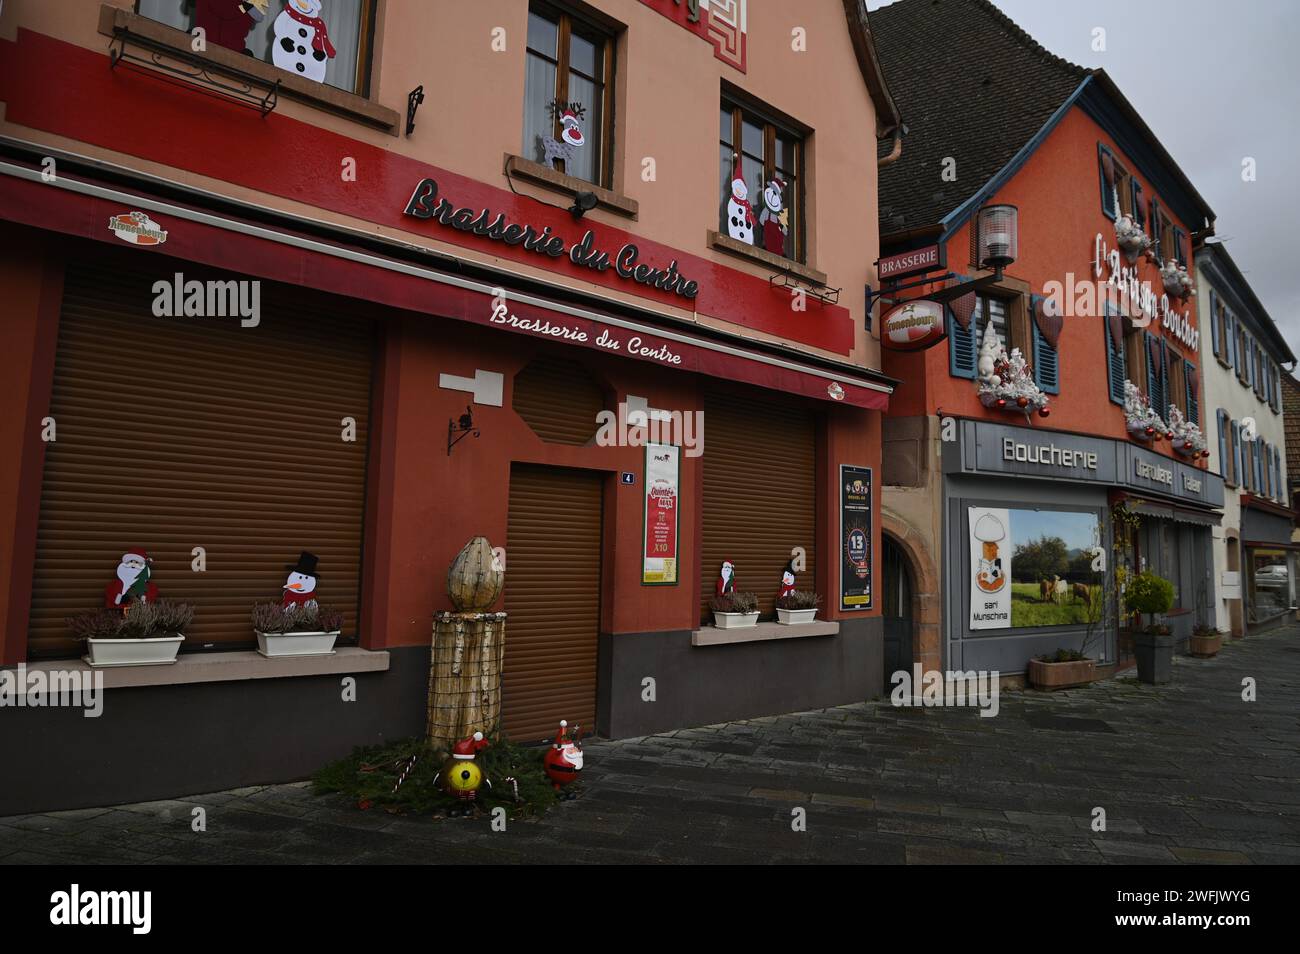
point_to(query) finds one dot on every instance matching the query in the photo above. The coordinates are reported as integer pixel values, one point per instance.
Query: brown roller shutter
(760, 495)
(558, 399)
(175, 433)
(553, 570)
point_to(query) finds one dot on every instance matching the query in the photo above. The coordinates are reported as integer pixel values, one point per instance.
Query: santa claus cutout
(727, 581)
(300, 587)
(133, 581)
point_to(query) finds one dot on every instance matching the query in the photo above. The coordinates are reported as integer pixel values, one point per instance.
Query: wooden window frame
(740, 108)
(563, 17)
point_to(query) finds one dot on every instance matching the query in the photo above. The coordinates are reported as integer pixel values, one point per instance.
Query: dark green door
(897, 609)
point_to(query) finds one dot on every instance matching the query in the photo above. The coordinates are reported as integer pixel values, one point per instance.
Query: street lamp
(999, 237)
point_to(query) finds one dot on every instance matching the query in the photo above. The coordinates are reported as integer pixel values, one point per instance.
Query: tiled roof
(1291, 421)
(969, 84)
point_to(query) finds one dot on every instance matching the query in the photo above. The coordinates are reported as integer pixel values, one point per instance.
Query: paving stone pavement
(1186, 773)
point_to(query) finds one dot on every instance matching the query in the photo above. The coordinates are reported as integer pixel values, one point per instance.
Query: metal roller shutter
(553, 570)
(176, 433)
(760, 495)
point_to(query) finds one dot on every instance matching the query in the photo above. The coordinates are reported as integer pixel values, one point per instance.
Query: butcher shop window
(568, 106)
(327, 41)
(760, 171)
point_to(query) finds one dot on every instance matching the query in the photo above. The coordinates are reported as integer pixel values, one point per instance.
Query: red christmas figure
(773, 217)
(133, 581)
(787, 581)
(563, 760)
(300, 587)
(727, 581)
(227, 22)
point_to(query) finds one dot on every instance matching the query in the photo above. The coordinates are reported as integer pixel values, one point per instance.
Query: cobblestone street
(1186, 773)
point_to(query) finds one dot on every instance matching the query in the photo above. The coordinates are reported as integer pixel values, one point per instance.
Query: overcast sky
(1217, 81)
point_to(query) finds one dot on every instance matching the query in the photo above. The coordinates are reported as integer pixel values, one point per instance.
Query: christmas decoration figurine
(727, 580)
(1007, 380)
(227, 22)
(571, 138)
(740, 215)
(774, 217)
(460, 775)
(787, 581)
(300, 587)
(302, 42)
(563, 760)
(133, 581)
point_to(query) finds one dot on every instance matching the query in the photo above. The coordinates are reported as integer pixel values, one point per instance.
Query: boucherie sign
(426, 204)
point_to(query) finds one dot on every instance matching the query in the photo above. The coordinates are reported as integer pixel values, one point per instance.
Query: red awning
(82, 208)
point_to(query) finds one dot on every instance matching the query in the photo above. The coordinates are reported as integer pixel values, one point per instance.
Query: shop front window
(322, 40)
(1270, 584)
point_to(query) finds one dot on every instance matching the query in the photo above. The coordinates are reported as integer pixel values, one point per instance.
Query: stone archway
(926, 613)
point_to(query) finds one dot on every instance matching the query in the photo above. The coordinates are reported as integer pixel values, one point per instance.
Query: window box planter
(1205, 645)
(319, 643)
(734, 620)
(152, 651)
(795, 617)
(1061, 675)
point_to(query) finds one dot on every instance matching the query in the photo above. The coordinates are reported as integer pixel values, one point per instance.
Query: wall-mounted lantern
(999, 237)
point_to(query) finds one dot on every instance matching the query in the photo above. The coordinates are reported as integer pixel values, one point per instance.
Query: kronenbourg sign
(990, 567)
(912, 325)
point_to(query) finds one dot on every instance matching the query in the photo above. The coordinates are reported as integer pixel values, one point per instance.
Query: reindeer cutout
(571, 137)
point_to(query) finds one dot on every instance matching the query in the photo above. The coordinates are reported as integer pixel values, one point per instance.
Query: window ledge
(114, 21)
(191, 668)
(570, 185)
(725, 243)
(762, 632)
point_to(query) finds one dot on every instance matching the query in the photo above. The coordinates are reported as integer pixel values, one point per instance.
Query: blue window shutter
(1115, 369)
(1214, 324)
(1221, 418)
(1234, 456)
(1230, 332)
(1155, 230)
(1189, 382)
(1047, 371)
(1153, 384)
(1107, 188)
(1137, 203)
(961, 348)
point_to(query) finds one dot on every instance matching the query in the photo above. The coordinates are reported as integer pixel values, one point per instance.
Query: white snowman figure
(740, 215)
(302, 43)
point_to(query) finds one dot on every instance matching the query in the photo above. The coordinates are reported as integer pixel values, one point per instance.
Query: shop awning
(1167, 511)
(83, 207)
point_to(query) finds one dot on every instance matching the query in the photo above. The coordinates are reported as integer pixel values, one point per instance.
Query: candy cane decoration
(410, 764)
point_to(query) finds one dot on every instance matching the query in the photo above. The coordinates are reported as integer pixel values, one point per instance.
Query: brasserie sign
(425, 204)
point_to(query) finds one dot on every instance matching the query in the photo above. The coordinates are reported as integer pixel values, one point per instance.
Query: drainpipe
(899, 132)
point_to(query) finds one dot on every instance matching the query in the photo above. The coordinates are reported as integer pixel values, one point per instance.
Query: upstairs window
(568, 109)
(761, 173)
(327, 41)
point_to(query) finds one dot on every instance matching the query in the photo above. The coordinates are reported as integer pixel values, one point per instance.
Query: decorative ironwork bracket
(191, 70)
(413, 100)
(788, 280)
(458, 429)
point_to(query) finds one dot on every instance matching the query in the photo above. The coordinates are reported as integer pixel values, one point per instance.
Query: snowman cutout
(302, 43)
(740, 215)
(300, 587)
(787, 582)
(773, 218)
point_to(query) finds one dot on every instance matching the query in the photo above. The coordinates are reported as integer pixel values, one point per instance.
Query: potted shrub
(1153, 646)
(797, 606)
(148, 634)
(1061, 670)
(734, 610)
(1205, 642)
(306, 630)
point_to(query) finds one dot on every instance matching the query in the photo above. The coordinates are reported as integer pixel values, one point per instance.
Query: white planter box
(795, 617)
(734, 620)
(156, 651)
(296, 644)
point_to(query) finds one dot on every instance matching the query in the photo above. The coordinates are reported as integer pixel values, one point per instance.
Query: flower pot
(155, 651)
(272, 645)
(793, 617)
(1205, 646)
(1155, 657)
(1061, 675)
(734, 620)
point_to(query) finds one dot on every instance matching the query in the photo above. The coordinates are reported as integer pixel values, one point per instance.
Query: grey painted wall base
(703, 685)
(167, 741)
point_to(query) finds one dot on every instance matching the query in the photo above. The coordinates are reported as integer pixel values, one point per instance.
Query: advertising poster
(855, 537)
(1034, 568)
(659, 560)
